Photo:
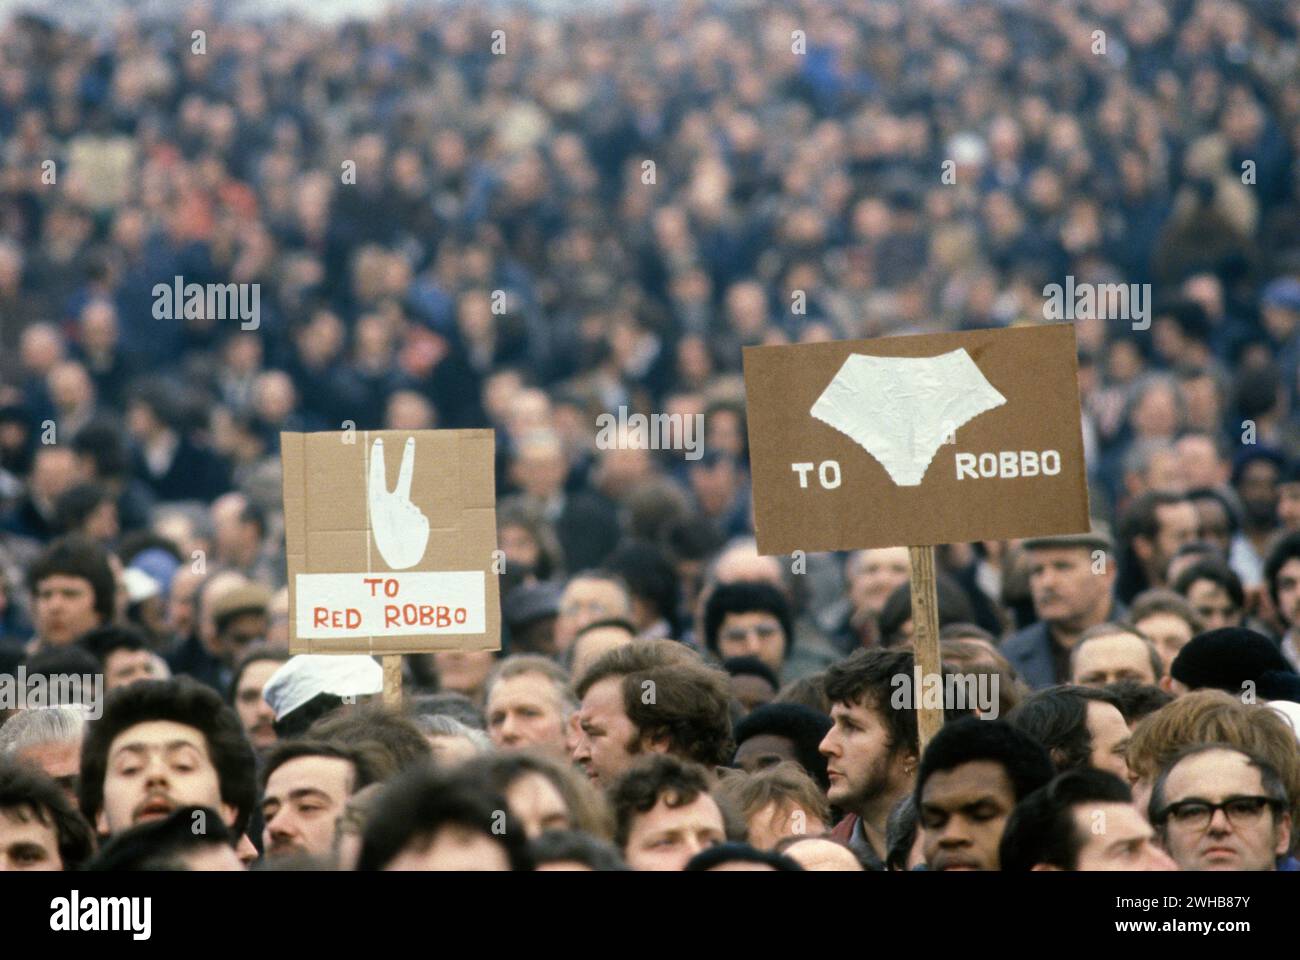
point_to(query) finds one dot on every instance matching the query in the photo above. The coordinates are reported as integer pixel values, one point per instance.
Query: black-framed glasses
(1196, 814)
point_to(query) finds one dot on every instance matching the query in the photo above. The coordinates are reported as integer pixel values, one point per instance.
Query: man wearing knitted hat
(1236, 660)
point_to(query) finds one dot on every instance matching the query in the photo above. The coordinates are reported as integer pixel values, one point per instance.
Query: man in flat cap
(232, 613)
(1072, 580)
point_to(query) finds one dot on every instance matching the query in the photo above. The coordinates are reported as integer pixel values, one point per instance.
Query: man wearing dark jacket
(1072, 580)
(165, 459)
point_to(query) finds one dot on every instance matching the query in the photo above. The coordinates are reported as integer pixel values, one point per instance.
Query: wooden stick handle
(925, 637)
(393, 680)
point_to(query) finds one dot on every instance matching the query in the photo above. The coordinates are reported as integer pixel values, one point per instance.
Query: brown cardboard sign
(916, 440)
(390, 539)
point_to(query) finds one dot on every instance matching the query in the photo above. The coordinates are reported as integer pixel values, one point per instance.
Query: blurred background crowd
(383, 181)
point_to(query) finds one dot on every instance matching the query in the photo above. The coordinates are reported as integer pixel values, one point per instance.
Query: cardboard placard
(916, 440)
(389, 541)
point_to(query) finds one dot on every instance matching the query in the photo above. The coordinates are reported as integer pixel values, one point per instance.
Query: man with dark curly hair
(164, 744)
(664, 814)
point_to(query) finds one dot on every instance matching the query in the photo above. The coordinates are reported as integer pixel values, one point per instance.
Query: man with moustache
(1071, 579)
(161, 745)
(872, 749)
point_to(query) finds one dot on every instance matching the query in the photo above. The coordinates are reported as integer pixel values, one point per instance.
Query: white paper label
(335, 605)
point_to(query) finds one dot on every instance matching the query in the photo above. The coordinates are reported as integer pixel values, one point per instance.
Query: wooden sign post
(925, 634)
(393, 680)
(916, 440)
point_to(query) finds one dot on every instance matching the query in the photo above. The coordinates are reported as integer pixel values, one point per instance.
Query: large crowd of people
(450, 217)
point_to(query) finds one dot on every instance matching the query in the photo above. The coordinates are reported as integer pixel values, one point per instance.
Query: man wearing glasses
(1218, 808)
(749, 619)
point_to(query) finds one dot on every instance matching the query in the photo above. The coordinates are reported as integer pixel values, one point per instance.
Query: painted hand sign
(380, 569)
(400, 528)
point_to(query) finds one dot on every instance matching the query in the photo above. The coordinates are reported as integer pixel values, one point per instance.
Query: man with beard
(871, 749)
(161, 745)
(306, 785)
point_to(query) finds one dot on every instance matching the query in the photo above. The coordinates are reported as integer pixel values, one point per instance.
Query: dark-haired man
(1078, 726)
(651, 696)
(871, 749)
(571, 850)
(188, 838)
(972, 775)
(239, 533)
(1082, 820)
(73, 592)
(306, 785)
(776, 732)
(753, 682)
(1282, 573)
(664, 814)
(40, 829)
(160, 745)
(125, 655)
(427, 820)
(1153, 527)
(749, 619)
